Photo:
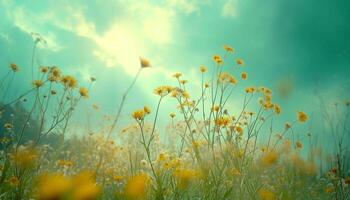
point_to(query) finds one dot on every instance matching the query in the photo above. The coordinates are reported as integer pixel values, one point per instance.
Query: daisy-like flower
(228, 48)
(14, 67)
(84, 92)
(172, 115)
(239, 61)
(203, 69)
(244, 75)
(177, 75)
(302, 117)
(44, 69)
(37, 83)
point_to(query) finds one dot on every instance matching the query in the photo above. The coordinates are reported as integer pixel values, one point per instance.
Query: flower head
(228, 48)
(244, 75)
(239, 61)
(14, 67)
(84, 92)
(203, 69)
(302, 117)
(144, 63)
(37, 83)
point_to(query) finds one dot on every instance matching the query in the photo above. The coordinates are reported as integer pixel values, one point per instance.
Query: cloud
(229, 9)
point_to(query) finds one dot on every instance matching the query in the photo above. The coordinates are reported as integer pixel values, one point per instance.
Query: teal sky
(304, 44)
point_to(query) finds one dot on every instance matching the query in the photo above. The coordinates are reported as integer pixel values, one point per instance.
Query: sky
(302, 45)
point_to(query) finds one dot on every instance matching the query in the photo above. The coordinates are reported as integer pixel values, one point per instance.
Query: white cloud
(229, 9)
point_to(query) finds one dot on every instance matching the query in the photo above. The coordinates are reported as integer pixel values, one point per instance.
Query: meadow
(211, 151)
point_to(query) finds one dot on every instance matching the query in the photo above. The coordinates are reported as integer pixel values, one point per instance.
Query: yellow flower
(44, 69)
(329, 189)
(55, 74)
(276, 108)
(37, 83)
(206, 85)
(184, 177)
(14, 67)
(163, 90)
(84, 92)
(203, 69)
(239, 130)
(69, 81)
(217, 59)
(136, 187)
(118, 178)
(302, 117)
(172, 115)
(140, 114)
(24, 157)
(250, 90)
(53, 186)
(177, 75)
(299, 145)
(269, 158)
(228, 48)
(265, 194)
(13, 181)
(244, 75)
(183, 82)
(222, 121)
(144, 63)
(239, 61)
(147, 110)
(84, 186)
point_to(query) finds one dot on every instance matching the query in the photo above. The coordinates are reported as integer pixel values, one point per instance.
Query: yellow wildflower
(302, 117)
(44, 69)
(14, 67)
(203, 68)
(244, 75)
(172, 115)
(265, 194)
(53, 186)
(228, 48)
(177, 75)
(84, 92)
(37, 83)
(136, 187)
(147, 110)
(13, 181)
(239, 61)
(144, 63)
(269, 158)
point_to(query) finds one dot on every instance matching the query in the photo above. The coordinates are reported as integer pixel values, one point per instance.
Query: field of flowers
(213, 153)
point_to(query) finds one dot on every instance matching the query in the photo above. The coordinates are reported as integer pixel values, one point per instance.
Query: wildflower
(14, 67)
(269, 158)
(177, 75)
(163, 90)
(203, 69)
(206, 85)
(92, 79)
(144, 63)
(53, 92)
(276, 108)
(69, 81)
(53, 186)
(183, 82)
(265, 194)
(37, 83)
(147, 110)
(55, 74)
(235, 172)
(136, 187)
(222, 121)
(8, 126)
(287, 126)
(302, 117)
(228, 48)
(138, 114)
(249, 89)
(239, 130)
(24, 157)
(95, 106)
(227, 78)
(244, 75)
(239, 61)
(13, 181)
(172, 115)
(44, 69)
(217, 59)
(299, 145)
(84, 186)
(118, 178)
(184, 177)
(84, 92)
